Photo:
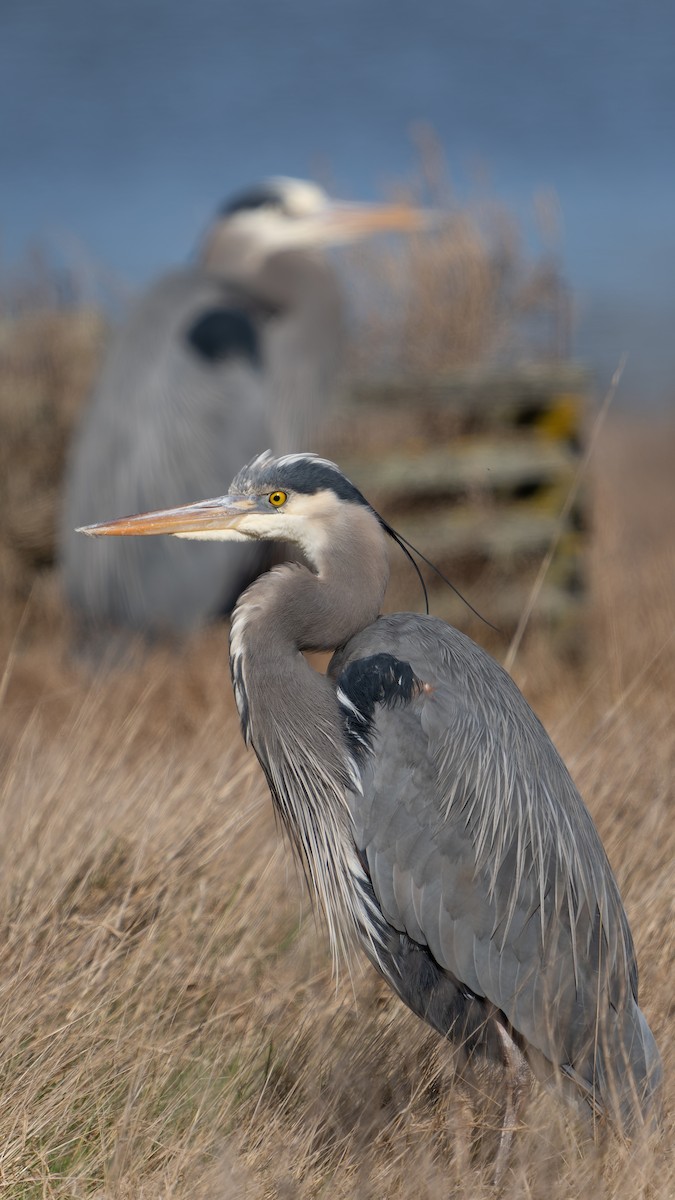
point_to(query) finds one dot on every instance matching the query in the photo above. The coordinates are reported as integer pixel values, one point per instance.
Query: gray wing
(479, 847)
(183, 399)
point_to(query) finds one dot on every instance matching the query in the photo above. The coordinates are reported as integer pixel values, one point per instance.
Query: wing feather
(479, 844)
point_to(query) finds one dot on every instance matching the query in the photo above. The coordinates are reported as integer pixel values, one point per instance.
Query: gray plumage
(240, 350)
(163, 418)
(479, 848)
(435, 820)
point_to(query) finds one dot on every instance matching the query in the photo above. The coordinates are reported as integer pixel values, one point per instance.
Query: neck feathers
(290, 713)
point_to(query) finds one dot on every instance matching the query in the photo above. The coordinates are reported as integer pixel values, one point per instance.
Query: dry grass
(474, 288)
(465, 294)
(168, 1021)
(169, 1025)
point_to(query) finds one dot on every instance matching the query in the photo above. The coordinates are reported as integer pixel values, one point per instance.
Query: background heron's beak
(342, 222)
(225, 512)
(338, 223)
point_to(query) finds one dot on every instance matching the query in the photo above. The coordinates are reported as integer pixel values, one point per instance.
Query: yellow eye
(278, 498)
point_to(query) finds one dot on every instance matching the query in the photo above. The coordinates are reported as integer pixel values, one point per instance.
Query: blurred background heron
(236, 351)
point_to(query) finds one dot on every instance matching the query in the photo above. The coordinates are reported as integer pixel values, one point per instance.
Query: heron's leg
(517, 1080)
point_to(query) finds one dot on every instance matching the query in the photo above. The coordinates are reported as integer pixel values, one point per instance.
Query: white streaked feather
(336, 875)
(289, 460)
(347, 704)
(300, 782)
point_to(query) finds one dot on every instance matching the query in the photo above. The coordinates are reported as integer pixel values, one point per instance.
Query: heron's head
(297, 498)
(291, 214)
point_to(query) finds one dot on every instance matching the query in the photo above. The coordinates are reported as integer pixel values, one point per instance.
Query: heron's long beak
(349, 222)
(208, 518)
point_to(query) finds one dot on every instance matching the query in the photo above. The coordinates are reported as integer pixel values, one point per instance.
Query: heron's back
(481, 851)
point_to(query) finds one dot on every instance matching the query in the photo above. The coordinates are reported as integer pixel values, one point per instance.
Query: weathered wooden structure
(475, 468)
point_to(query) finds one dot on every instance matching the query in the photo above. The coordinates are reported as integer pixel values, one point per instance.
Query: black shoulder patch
(223, 333)
(378, 679)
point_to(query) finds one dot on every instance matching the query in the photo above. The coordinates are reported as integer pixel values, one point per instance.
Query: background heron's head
(282, 214)
(296, 498)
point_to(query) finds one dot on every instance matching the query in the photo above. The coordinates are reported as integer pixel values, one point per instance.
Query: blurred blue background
(123, 124)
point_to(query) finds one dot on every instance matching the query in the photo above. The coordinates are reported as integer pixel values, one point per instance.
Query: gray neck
(289, 712)
(287, 278)
(304, 346)
(292, 608)
(303, 342)
(320, 607)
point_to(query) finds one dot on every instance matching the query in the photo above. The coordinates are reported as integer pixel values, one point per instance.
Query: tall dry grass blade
(14, 647)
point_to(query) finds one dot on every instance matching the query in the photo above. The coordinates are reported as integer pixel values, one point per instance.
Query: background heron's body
(181, 398)
(434, 818)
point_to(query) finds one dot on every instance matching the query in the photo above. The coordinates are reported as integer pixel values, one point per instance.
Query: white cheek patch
(303, 523)
(274, 525)
(256, 527)
(213, 535)
(302, 530)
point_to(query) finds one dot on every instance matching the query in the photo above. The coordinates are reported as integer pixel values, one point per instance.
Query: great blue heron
(436, 822)
(235, 352)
